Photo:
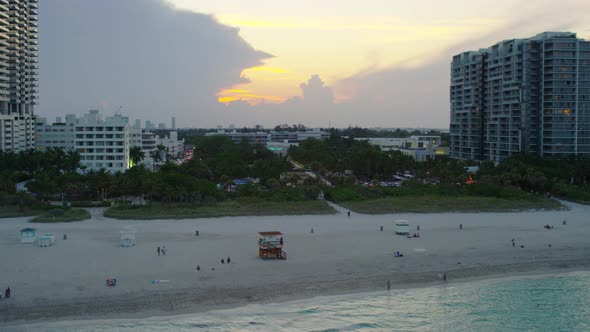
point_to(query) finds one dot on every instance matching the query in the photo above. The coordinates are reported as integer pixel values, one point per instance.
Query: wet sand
(343, 255)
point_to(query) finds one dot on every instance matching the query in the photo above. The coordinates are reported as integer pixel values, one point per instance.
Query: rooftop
(270, 233)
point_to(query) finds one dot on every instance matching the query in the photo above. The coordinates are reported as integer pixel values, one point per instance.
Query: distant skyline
(375, 63)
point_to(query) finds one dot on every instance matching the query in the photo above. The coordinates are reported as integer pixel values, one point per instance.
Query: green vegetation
(432, 204)
(62, 215)
(15, 212)
(336, 155)
(579, 194)
(567, 179)
(90, 204)
(365, 132)
(416, 197)
(20, 205)
(227, 208)
(353, 173)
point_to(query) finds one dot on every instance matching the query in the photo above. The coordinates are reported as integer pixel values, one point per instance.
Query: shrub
(90, 204)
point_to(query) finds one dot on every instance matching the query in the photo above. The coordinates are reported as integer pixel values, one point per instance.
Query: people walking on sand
(564, 222)
(349, 213)
(7, 292)
(198, 268)
(228, 260)
(513, 243)
(159, 250)
(222, 261)
(460, 226)
(388, 285)
(445, 278)
(164, 251)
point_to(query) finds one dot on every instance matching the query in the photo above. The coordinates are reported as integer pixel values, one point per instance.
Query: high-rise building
(527, 96)
(18, 74)
(173, 124)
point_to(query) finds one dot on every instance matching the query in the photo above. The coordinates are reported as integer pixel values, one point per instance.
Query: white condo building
(56, 135)
(18, 74)
(103, 143)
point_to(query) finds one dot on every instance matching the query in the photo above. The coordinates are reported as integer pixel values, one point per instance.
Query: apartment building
(56, 135)
(297, 136)
(264, 138)
(18, 74)
(259, 137)
(527, 96)
(419, 147)
(103, 143)
(171, 143)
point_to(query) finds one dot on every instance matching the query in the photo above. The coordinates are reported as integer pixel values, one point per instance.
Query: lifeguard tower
(127, 237)
(402, 227)
(46, 240)
(270, 245)
(28, 235)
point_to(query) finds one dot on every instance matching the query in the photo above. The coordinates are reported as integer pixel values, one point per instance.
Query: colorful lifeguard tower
(270, 245)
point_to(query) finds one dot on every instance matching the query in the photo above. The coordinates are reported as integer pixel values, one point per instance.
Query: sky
(339, 63)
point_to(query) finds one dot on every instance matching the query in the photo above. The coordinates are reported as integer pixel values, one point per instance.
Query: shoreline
(190, 301)
(344, 255)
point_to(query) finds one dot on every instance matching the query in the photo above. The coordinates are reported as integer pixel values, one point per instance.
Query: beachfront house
(28, 235)
(270, 245)
(402, 227)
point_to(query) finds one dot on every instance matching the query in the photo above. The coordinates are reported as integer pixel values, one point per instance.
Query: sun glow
(335, 41)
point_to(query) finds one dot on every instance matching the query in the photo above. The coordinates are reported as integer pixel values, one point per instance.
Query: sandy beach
(343, 255)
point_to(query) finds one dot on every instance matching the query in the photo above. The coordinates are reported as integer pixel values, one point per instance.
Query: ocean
(539, 303)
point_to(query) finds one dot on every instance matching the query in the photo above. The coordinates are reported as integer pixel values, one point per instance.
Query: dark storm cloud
(143, 55)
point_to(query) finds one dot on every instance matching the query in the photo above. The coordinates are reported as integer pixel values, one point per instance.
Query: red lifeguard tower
(270, 245)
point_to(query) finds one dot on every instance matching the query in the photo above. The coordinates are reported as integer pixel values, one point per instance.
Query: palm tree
(136, 155)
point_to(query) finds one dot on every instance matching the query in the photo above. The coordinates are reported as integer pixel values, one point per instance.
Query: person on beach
(564, 222)
(198, 268)
(349, 213)
(7, 292)
(460, 226)
(164, 251)
(444, 278)
(311, 231)
(388, 285)
(222, 261)
(513, 243)
(228, 260)
(159, 250)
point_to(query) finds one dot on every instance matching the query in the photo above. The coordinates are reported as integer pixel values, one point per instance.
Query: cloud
(315, 92)
(156, 61)
(143, 55)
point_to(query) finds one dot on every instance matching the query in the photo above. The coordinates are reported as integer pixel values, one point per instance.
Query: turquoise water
(543, 303)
